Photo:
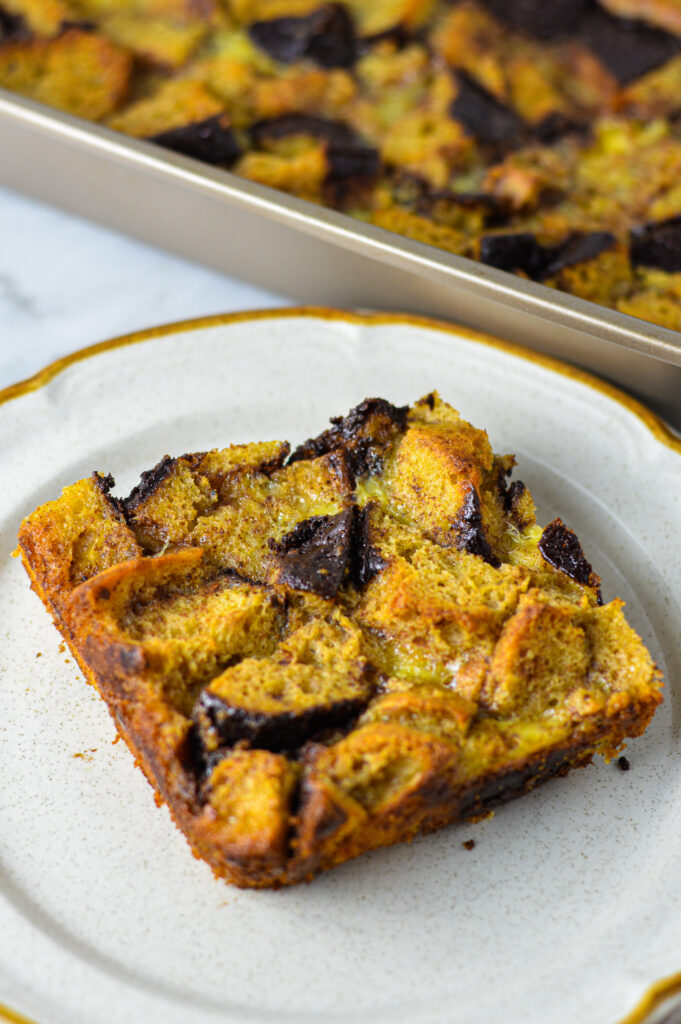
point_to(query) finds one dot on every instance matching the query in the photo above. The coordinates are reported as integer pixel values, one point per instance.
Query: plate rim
(660, 991)
(652, 420)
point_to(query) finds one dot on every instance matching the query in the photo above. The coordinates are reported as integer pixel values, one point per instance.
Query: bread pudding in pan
(313, 653)
(541, 137)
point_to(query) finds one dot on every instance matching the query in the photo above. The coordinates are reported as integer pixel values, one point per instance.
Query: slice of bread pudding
(318, 652)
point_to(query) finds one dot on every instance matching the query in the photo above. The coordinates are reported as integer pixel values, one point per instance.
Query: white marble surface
(66, 283)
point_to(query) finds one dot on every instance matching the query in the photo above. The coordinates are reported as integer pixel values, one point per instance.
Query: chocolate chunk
(326, 36)
(399, 35)
(211, 140)
(105, 484)
(340, 469)
(149, 481)
(12, 26)
(301, 534)
(517, 252)
(347, 155)
(365, 561)
(623, 763)
(78, 25)
(352, 160)
(314, 555)
(335, 45)
(414, 192)
(514, 493)
(555, 125)
(350, 426)
(511, 497)
(221, 723)
(471, 200)
(484, 116)
(628, 48)
(470, 531)
(363, 434)
(439, 203)
(469, 844)
(657, 245)
(543, 18)
(331, 820)
(579, 248)
(522, 252)
(560, 547)
(324, 128)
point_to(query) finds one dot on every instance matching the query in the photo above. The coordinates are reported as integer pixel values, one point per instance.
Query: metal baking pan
(316, 255)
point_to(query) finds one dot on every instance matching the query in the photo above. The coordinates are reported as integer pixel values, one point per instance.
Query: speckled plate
(566, 908)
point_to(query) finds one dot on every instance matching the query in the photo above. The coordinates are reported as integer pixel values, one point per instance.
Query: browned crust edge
(424, 811)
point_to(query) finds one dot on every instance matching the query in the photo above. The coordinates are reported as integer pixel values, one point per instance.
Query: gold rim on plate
(660, 990)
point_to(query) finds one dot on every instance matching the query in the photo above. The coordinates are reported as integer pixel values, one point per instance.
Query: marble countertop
(66, 283)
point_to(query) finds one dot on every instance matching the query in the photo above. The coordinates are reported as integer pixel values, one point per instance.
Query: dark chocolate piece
(522, 252)
(12, 26)
(365, 561)
(335, 45)
(469, 844)
(363, 434)
(623, 763)
(511, 497)
(314, 555)
(79, 26)
(579, 248)
(489, 792)
(217, 721)
(470, 532)
(352, 160)
(347, 155)
(325, 128)
(657, 245)
(331, 820)
(555, 125)
(435, 204)
(628, 48)
(105, 484)
(326, 36)
(471, 200)
(398, 34)
(194, 458)
(560, 547)
(517, 252)
(546, 19)
(414, 192)
(484, 116)
(150, 480)
(513, 494)
(211, 140)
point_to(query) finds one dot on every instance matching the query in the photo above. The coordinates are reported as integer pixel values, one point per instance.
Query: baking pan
(316, 255)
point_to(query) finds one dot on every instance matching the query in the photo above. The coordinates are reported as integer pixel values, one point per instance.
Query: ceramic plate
(565, 910)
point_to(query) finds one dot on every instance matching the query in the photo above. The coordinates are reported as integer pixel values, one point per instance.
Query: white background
(66, 283)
